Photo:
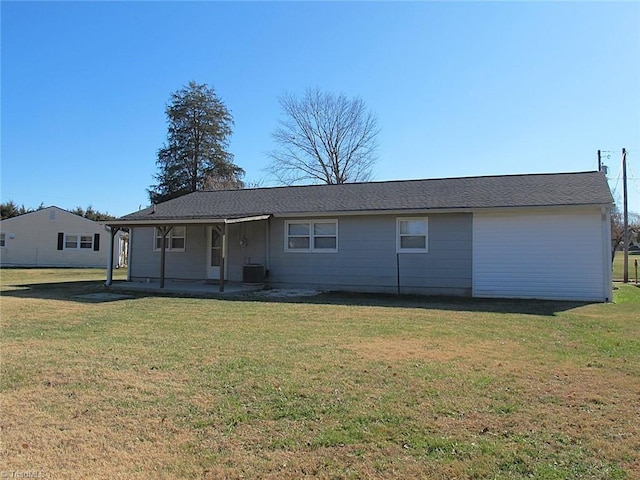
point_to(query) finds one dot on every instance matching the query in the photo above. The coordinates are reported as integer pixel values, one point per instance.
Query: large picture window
(176, 239)
(412, 235)
(311, 236)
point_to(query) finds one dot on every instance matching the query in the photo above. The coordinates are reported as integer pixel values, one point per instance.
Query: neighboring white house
(53, 237)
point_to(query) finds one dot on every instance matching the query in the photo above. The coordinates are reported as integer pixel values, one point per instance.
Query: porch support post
(223, 255)
(114, 231)
(164, 231)
(267, 243)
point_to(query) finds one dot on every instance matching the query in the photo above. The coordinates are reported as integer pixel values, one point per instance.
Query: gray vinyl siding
(188, 265)
(252, 251)
(366, 259)
(192, 263)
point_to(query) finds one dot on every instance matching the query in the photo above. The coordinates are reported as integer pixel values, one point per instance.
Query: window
(84, 242)
(412, 235)
(311, 236)
(2, 239)
(176, 239)
(70, 241)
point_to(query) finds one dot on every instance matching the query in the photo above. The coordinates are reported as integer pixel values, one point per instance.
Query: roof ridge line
(407, 180)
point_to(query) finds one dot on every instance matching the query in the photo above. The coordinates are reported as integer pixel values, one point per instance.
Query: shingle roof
(535, 190)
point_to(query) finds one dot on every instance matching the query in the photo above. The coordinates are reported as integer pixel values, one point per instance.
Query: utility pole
(603, 155)
(626, 218)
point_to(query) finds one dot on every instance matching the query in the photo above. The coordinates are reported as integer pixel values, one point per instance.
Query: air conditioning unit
(253, 273)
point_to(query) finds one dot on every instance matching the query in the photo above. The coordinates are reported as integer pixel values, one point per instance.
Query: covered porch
(201, 255)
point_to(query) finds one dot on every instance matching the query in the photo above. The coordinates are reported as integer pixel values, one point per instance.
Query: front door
(214, 253)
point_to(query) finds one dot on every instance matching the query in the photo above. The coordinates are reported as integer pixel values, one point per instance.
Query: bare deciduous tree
(324, 138)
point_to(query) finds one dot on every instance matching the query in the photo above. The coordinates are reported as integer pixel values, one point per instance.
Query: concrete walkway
(191, 288)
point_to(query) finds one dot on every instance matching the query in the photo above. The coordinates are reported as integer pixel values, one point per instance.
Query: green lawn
(331, 387)
(618, 266)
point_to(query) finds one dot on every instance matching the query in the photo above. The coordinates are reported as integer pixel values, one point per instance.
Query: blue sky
(459, 88)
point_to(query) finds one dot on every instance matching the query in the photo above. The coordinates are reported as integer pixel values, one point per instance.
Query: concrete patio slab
(194, 288)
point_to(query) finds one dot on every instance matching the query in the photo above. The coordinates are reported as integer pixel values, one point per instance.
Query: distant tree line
(11, 209)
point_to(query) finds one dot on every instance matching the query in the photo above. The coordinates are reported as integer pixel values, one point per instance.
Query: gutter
(186, 221)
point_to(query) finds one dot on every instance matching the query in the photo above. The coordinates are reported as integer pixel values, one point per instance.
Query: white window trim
(168, 242)
(311, 248)
(399, 249)
(78, 242)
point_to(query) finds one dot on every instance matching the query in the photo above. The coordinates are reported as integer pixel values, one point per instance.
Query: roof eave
(185, 220)
(441, 210)
(162, 221)
(409, 211)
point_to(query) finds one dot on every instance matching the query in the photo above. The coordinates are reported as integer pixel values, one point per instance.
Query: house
(541, 236)
(53, 237)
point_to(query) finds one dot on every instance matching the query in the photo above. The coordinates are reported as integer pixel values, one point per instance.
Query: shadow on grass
(96, 292)
(84, 291)
(530, 307)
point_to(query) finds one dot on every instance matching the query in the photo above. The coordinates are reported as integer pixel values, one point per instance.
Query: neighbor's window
(2, 239)
(72, 242)
(311, 236)
(412, 235)
(86, 241)
(176, 239)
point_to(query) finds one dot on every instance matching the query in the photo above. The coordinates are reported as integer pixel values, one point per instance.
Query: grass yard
(618, 266)
(330, 387)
